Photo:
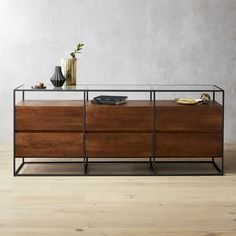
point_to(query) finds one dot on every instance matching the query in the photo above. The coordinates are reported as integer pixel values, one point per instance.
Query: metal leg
(14, 135)
(150, 164)
(154, 134)
(222, 148)
(222, 166)
(14, 166)
(85, 161)
(86, 166)
(150, 96)
(87, 96)
(19, 168)
(216, 166)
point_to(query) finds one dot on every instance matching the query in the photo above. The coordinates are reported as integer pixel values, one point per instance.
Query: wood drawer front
(49, 144)
(189, 144)
(119, 118)
(118, 145)
(202, 118)
(49, 118)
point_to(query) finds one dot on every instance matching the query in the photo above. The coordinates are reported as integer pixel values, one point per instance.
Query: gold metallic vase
(69, 70)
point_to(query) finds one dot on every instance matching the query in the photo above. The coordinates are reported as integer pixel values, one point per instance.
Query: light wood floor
(66, 206)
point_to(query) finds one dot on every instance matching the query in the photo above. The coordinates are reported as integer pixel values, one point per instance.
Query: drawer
(189, 144)
(49, 144)
(195, 118)
(48, 118)
(118, 145)
(135, 115)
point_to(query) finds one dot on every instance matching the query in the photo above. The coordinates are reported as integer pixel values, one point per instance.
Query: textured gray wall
(127, 41)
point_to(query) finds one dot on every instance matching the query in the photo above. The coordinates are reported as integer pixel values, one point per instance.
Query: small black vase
(58, 79)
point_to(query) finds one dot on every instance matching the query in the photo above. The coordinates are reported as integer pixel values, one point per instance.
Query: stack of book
(110, 100)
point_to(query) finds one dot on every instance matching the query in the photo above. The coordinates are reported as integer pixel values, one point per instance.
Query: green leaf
(79, 47)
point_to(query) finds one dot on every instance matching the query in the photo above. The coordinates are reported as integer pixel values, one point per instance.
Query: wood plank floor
(68, 206)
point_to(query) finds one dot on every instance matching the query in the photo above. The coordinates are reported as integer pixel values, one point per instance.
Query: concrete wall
(127, 41)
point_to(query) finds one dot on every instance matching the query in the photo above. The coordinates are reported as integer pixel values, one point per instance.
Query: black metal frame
(153, 161)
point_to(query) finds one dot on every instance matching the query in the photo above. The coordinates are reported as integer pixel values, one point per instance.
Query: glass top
(127, 87)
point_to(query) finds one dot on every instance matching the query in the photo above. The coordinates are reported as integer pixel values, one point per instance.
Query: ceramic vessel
(58, 79)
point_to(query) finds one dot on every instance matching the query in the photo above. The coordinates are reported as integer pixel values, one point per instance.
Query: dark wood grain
(54, 129)
(132, 116)
(49, 115)
(188, 144)
(118, 145)
(51, 103)
(49, 144)
(195, 118)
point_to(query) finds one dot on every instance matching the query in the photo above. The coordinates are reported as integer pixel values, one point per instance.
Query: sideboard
(153, 130)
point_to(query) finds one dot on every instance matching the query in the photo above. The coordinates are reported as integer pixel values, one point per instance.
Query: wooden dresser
(148, 129)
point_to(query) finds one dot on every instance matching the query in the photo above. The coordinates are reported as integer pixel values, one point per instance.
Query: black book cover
(105, 98)
(109, 102)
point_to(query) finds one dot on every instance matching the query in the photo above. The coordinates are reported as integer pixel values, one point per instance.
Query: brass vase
(69, 70)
